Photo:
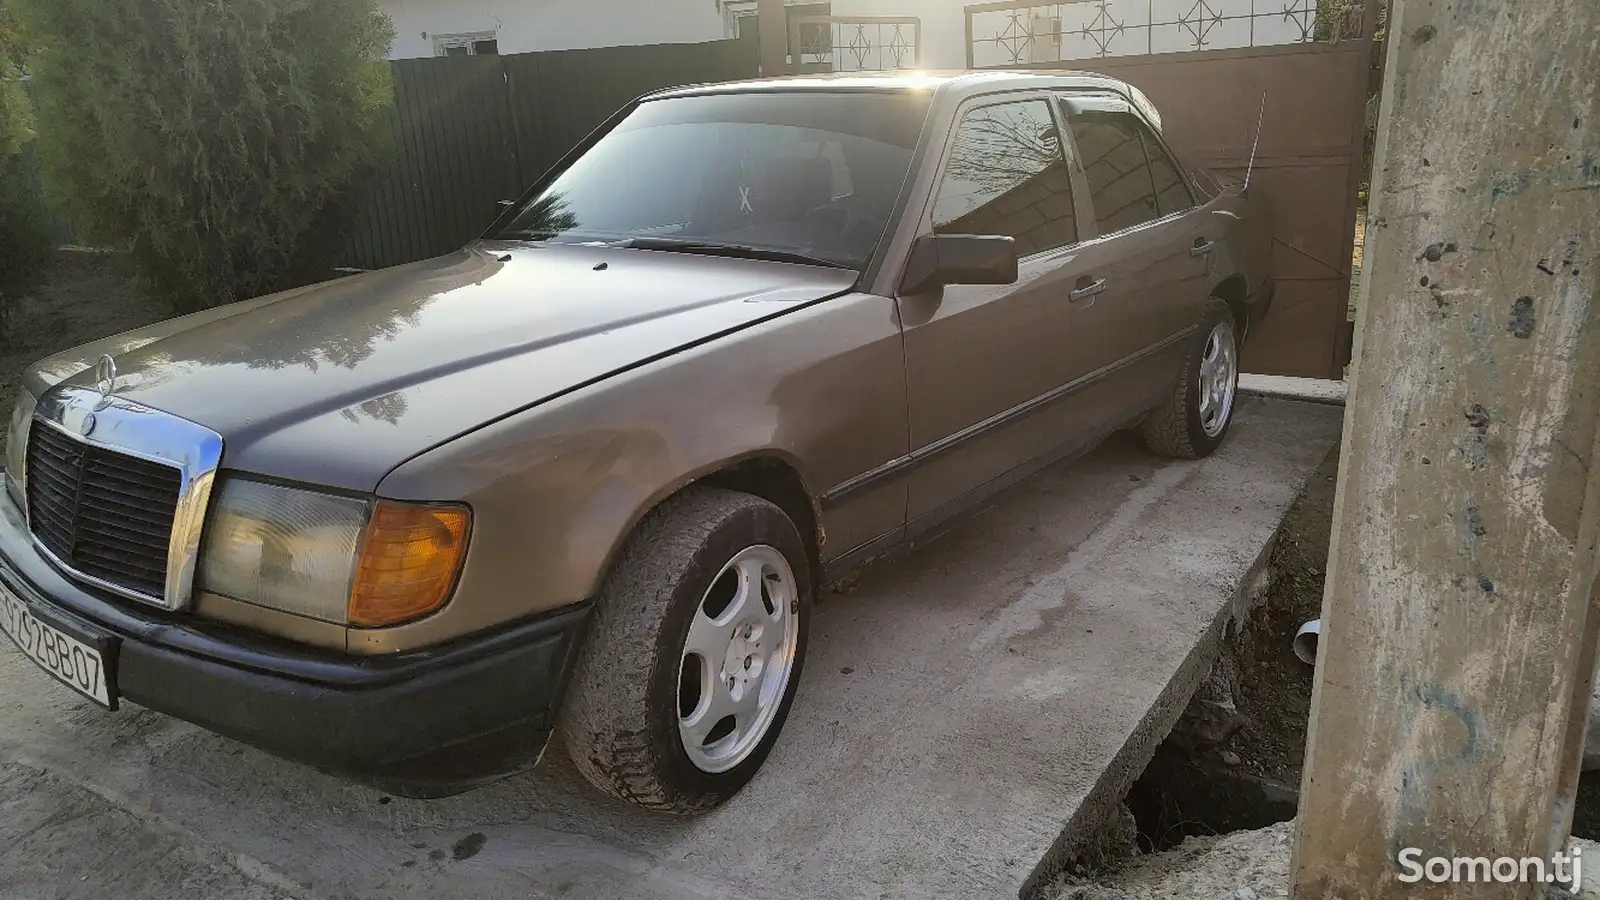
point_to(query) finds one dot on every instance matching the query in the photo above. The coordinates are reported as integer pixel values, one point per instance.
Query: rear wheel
(1195, 419)
(695, 653)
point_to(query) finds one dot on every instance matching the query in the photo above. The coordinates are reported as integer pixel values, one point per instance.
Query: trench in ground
(1251, 778)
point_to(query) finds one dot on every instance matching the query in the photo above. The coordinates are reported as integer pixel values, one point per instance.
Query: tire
(1193, 422)
(626, 714)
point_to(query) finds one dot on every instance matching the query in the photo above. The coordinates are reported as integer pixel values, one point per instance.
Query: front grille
(103, 513)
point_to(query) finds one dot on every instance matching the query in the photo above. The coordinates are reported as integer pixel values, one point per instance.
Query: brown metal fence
(470, 131)
(1301, 69)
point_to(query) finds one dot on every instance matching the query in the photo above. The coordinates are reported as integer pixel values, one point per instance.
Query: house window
(1046, 43)
(740, 19)
(483, 43)
(812, 36)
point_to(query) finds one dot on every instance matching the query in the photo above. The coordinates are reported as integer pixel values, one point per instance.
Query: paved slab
(1284, 387)
(967, 709)
(61, 841)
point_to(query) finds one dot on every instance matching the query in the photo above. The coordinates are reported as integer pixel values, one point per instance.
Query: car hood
(338, 383)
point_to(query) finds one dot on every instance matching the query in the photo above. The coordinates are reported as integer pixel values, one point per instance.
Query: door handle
(1202, 247)
(1089, 290)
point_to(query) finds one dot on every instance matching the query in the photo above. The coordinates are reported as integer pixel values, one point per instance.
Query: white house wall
(523, 26)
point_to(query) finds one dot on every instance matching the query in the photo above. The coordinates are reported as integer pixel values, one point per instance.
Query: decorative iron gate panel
(855, 43)
(1024, 33)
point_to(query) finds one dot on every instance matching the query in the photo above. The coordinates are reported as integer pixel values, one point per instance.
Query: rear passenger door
(1183, 225)
(1148, 240)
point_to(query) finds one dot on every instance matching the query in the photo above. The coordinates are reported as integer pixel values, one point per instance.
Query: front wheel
(1193, 422)
(694, 655)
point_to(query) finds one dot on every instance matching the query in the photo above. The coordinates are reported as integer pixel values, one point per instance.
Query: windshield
(802, 174)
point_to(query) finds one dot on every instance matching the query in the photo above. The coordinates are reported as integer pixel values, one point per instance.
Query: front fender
(556, 489)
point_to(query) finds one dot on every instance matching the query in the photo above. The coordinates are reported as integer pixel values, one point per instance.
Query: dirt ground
(84, 296)
(1273, 685)
(1251, 779)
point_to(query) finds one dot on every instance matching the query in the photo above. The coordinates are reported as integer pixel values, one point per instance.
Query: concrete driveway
(968, 711)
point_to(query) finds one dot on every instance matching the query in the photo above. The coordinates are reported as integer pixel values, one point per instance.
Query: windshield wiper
(734, 251)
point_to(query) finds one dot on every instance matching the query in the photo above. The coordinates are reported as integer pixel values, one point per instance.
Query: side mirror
(940, 259)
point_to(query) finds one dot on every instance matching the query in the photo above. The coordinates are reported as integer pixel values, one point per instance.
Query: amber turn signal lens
(409, 561)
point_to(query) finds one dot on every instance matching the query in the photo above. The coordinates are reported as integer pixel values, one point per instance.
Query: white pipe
(1305, 641)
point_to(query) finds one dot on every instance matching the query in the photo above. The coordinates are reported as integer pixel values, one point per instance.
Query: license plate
(71, 661)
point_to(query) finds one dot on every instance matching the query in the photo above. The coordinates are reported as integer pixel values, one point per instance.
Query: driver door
(987, 366)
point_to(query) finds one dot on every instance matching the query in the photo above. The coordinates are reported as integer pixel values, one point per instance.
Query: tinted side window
(1172, 192)
(1119, 177)
(1007, 175)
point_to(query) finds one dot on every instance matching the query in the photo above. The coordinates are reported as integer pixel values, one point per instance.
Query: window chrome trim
(123, 426)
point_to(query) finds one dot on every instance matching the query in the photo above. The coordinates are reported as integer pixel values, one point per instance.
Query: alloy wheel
(738, 658)
(1219, 379)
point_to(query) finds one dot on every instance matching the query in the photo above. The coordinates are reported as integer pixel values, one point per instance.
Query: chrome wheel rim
(1219, 379)
(737, 660)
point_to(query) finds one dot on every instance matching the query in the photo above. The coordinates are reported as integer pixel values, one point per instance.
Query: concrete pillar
(1459, 623)
(774, 37)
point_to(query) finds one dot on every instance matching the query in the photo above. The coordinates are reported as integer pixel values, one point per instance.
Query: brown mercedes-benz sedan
(584, 476)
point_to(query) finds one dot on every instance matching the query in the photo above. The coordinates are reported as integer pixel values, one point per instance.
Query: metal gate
(855, 43)
(473, 130)
(1207, 64)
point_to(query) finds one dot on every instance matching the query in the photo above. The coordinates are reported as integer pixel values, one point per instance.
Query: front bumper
(426, 723)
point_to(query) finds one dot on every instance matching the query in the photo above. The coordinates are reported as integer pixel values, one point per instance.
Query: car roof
(899, 80)
(958, 84)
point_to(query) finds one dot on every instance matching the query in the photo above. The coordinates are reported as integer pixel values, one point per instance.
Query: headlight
(332, 558)
(17, 447)
(282, 548)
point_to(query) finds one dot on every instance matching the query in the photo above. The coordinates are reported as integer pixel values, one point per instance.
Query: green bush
(223, 143)
(25, 235)
(25, 238)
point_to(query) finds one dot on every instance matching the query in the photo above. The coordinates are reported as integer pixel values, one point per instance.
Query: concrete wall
(524, 26)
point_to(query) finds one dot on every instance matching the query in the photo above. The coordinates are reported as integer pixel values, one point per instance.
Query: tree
(16, 118)
(224, 143)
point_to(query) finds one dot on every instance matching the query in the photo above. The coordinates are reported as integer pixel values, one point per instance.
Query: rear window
(1120, 182)
(1171, 189)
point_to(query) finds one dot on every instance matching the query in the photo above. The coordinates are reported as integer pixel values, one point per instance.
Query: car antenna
(1250, 169)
